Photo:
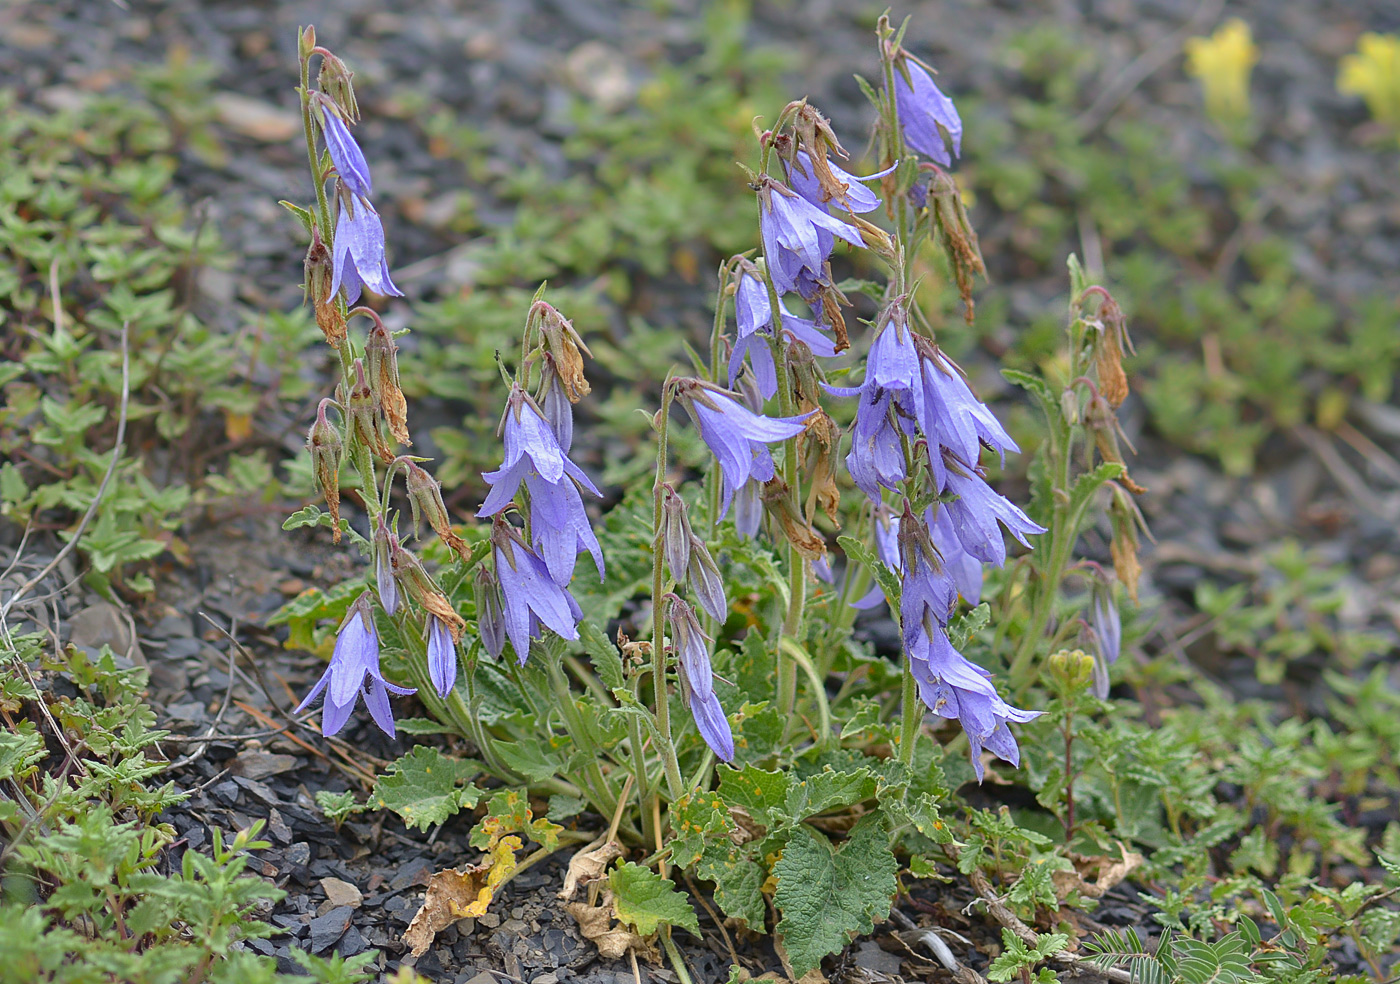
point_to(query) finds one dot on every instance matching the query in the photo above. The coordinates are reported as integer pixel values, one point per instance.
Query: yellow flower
(1374, 74)
(1222, 62)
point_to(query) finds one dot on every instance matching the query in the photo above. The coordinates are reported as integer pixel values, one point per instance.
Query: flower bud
(877, 240)
(556, 406)
(676, 534)
(365, 413)
(381, 357)
(1069, 404)
(306, 41)
(323, 441)
(1071, 669)
(334, 81)
(425, 499)
(318, 270)
(490, 618)
(692, 650)
(383, 545)
(706, 581)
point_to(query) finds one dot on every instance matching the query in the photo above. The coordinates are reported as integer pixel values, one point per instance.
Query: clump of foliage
(89, 892)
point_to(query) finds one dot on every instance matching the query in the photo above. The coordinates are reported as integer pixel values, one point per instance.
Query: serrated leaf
(759, 793)
(828, 895)
(1032, 384)
(697, 818)
(827, 790)
(758, 731)
(646, 901)
(1090, 482)
(738, 884)
(866, 718)
(311, 515)
(963, 626)
(604, 655)
(422, 787)
(302, 214)
(509, 813)
(886, 578)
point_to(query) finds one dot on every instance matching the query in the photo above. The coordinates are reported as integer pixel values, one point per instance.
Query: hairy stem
(662, 709)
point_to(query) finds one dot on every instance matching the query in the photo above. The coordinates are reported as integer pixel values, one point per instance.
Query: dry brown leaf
(456, 893)
(595, 922)
(588, 866)
(1107, 873)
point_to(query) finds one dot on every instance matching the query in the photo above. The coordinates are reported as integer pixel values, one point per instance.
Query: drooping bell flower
(1107, 629)
(927, 594)
(358, 259)
(737, 436)
(891, 408)
(753, 311)
(531, 597)
(354, 672)
(926, 115)
(961, 566)
(975, 513)
(956, 418)
(559, 526)
(697, 678)
(345, 153)
(797, 235)
(442, 656)
(953, 687)
(846, 192)
(383, 545)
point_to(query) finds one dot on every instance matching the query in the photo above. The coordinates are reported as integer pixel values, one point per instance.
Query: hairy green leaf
(827, 895)
(646, 901)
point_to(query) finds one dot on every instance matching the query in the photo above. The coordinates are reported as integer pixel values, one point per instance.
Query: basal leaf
(422, 787)
(827, 790)
(697, 818)
(738, 884)
(759, 793)
(645, 901)
(827, 895)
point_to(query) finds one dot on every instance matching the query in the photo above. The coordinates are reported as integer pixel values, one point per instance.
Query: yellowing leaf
(459, 893)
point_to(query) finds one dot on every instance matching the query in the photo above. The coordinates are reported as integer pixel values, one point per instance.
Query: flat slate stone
(325, 930)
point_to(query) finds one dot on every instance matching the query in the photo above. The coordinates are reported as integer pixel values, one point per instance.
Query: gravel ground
(503, 67)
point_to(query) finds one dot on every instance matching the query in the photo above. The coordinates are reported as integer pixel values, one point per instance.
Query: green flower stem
(662, 709)
(677, 961)
(797, 564)
(799, 656)
(1064, 526)
(726, 273)
(604, 800)
(323, 204)
(910, 714)
(639, 764)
